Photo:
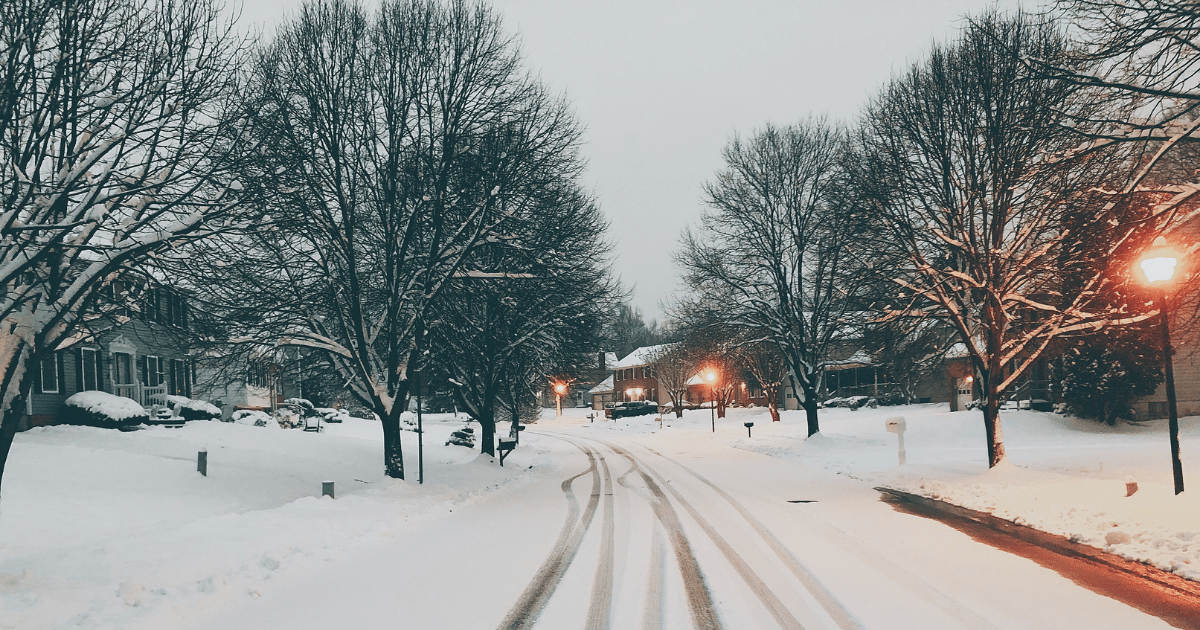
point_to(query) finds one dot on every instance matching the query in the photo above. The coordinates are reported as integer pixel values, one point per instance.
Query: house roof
(604, 387)
(641, 356)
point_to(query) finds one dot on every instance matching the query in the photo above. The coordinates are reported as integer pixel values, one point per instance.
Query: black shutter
(37, 381)
(78, 369)
(143, 369)
(62, 372)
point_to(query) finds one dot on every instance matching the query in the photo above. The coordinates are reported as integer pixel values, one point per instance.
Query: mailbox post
(897, 425)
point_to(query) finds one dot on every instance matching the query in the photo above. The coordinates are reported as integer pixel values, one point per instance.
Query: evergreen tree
(1101, 373)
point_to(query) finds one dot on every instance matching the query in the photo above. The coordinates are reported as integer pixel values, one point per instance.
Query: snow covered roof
(641, 356)
(604, 387)
(957, 351)
(859, 358)
(610, 359)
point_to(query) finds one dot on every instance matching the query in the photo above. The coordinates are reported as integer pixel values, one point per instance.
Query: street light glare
(710, 376)
(1159, 269)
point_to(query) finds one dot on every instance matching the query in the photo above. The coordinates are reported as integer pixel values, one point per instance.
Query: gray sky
(662, 86)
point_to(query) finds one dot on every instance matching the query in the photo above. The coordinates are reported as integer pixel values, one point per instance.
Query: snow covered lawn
(103, 529)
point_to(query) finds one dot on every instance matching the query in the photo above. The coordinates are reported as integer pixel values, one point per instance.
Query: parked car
(632, 408)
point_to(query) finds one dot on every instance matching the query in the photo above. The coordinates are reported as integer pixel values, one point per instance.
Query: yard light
(559, 388)
(711, 377)
(1157, 268)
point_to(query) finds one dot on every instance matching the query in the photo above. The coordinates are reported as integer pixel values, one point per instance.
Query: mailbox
(895, 425)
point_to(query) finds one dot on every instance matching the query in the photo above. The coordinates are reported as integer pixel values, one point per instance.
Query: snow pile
(102, 409)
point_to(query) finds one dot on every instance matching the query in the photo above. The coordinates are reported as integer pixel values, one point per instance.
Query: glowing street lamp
(1157, 268)
(711, 377)
(559, 389)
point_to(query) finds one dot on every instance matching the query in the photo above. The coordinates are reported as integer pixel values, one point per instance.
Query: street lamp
(1158, 268)
(559, 388)
(711, 377)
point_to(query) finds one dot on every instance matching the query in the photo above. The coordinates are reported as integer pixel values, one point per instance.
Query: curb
(1052, 542)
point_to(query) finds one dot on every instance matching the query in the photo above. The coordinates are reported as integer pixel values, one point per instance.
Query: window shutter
(78, 369)
(143, 369)
(62, 372)
(37, 381)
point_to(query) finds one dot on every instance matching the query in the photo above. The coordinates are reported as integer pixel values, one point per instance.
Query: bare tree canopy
(388, 148)
(112, 113)
(770, 253)
(977, 177)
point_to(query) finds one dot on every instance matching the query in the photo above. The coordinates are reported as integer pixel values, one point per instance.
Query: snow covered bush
(408, 421)
(462, 437)
(1100, 375)
(101, 409)
(288, 418)
(253, 417)
(198, 410)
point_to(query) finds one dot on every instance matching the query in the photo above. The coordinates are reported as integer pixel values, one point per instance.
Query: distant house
(602, 394)
(633, 379)
(138, 350)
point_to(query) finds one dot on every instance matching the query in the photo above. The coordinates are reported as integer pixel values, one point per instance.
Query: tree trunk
(678, 411)
(774, 408)
(487, 433)
(991, 423)
(720, 407)
(810, 410)
(393, 450)
(15, 376)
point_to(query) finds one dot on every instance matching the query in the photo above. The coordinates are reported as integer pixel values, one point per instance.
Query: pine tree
(1101, 373)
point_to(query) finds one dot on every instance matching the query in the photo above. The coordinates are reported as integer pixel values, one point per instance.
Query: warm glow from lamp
(970, 379)
(560, 388)
(710, 376)
(1158, 264)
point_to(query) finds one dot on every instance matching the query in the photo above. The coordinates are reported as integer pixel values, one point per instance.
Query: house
(602, 394)
(138, 349)
(633, 378)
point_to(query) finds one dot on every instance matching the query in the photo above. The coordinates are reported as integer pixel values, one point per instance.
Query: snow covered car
(633, 408)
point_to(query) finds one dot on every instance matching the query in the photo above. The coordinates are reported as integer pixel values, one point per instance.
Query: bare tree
(981, 183)
(111, 113)
(388, 148)
(531, 306)
(767, 366)
(674, 365)
(771, 253)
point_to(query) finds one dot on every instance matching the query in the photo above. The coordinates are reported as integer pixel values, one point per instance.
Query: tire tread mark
(700, 602)
(537, 593)
(600, 610)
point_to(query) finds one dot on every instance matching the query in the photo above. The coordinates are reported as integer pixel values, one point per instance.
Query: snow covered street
(589, 524)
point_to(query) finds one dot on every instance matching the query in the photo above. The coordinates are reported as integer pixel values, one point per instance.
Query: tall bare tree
(111, 114)
(770, 254)
(389, 146)
(767, 366)
(979, 178)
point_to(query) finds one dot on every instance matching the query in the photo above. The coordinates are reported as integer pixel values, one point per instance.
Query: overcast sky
(662, 86)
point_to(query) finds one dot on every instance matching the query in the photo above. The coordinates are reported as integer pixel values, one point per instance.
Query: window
(50, 374)
(179, 378)
(89, 369)
(122, 368)
(152, 375)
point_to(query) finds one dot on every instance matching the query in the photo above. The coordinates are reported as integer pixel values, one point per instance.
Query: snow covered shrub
(100, 409)
(253, 417)
(408, 421)
(302, 407)
(198, 410)
(1102, 373)
(462, 437)
(287, 418)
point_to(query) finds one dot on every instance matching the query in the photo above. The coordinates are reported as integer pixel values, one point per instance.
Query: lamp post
(559, 388)
(711, 377)
(1158, 268)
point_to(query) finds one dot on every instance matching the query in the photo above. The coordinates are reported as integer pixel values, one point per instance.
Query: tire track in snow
(846, 620)
(539, 590)
(765, 595)
(699, 598)
(600, 610)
